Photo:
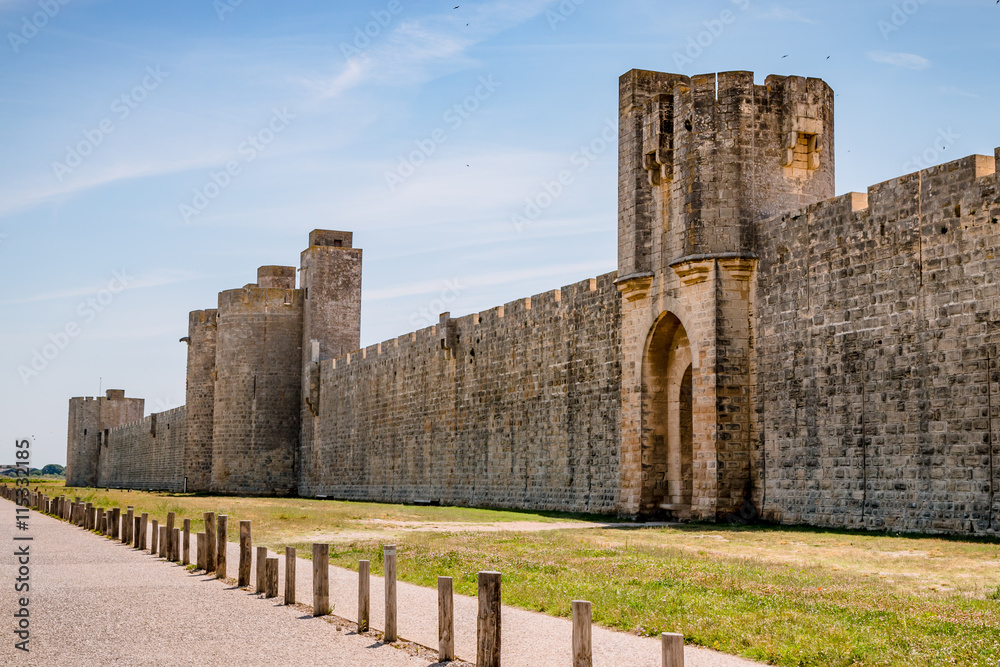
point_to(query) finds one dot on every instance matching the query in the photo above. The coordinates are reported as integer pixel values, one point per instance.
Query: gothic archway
(668, 420)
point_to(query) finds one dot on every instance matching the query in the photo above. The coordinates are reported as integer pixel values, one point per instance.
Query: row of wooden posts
(174, 544)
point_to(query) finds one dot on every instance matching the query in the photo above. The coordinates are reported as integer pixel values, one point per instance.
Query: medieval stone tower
(90, 420)
(702, 161)
(247, 385)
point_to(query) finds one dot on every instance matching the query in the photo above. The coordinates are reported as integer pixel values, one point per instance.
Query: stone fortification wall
(877, 331)
(146, 454)
(517, 406)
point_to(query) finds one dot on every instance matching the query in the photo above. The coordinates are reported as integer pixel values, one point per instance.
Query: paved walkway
(101, 602)
(94, 601)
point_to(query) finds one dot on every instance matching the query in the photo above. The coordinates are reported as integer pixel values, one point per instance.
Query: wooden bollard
(156, 537)
(222, 526)
(171, 517)
(582, 647)
(271, 578)
(143, 527)
(165, 534)
(488, 621)
(201, 551)
(136, 531)
(321, 579)
(116, 515)
(261, 558)
(245, 542)
(127, 528)
(186, 559)
(210, 544)
(289, 575)
(446, 619)
(389, 558)
(86, 515)
(673, 649)
(100, 521)
(364, 595)
(176, 540)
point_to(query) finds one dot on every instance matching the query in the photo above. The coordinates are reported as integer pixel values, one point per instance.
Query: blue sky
(120, 119)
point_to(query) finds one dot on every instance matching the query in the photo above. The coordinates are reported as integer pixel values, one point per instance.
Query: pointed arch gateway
(668, 420)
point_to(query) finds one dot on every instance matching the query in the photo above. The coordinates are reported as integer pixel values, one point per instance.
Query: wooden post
(389, 558)
(488, 622)
(271, 578)
(156, 534)
(222, 526)
(364, 595)
(261, 557)
(86, 515)
(446, 619)
(582, 651)
(116, 515)
(143, 526)
(210, 544)
(244, 573)
(176, 540)
(673, 649)
(187, 542)
(201, 551)
(321, 579)
(136, 531)
(171, 516)
(289, 575)
(100, 521)
(127, 528)
(164, 540)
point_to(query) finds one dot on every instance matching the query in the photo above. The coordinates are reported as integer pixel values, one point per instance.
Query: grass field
(787, 596)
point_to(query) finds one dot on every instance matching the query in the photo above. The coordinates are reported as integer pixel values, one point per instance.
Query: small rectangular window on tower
(802, 151)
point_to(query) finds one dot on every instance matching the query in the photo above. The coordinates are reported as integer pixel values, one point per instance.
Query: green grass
(788, 596)
(773, 612)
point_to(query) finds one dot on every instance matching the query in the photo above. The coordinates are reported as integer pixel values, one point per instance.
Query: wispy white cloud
(417, 50)
(779, 13)
(956, 92)
(907, 60)
(155, 279)
(44, 188)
